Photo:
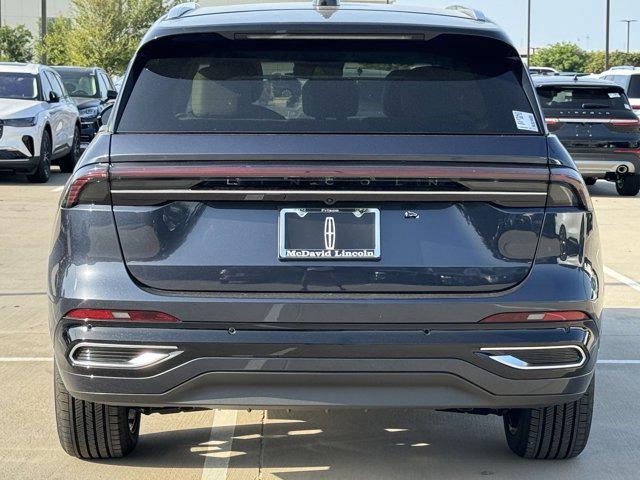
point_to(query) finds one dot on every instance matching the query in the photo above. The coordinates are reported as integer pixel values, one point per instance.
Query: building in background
(28, 12)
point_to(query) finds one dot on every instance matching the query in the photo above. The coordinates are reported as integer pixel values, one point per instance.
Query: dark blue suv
(399, 230)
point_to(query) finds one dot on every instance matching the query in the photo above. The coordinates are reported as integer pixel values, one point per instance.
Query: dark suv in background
(401, 233)
(92, 90)
(595, 122)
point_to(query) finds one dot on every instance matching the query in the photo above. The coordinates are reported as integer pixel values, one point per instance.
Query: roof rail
(469, 12)
(180, 9)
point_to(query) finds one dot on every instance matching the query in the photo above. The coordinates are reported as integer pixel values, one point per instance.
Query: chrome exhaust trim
(120, 356)
(512, 360)
(622, 169)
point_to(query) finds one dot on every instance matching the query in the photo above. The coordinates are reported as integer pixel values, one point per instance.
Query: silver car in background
(39, 122)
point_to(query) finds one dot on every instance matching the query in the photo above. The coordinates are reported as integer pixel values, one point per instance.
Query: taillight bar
(606, 121)
(634, 151)
(519, 317)
(622, 122)
(99, 314)
(194, 171)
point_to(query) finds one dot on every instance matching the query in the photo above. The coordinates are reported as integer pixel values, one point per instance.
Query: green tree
(562, 56)
(55, 45)
(595, 63)
(16, 44)
(102, 32)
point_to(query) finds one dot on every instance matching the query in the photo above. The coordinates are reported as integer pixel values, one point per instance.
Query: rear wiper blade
(594, 105)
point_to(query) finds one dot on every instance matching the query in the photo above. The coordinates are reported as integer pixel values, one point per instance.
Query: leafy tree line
(570, 57)
(100, 32)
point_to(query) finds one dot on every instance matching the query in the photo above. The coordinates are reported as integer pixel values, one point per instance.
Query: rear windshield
(634, 86)
(582, 98)
(450, 84)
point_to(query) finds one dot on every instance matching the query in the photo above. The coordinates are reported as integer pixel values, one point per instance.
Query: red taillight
(634, 151)
(636, 107)
(121, 315)
(625, 122)
(87, 185)
(518, 317)
(552, 121)
(567, 189)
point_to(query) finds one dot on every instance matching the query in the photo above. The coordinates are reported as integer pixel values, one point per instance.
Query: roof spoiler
(180, 9)
(469, 12)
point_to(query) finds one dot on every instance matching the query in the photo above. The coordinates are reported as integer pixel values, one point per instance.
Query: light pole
(606, 48)
(43, 26)
(628, 22)
(529, 32)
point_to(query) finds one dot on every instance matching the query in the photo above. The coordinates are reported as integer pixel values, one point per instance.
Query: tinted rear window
(450, 84)
(634, 86)
(582, 98)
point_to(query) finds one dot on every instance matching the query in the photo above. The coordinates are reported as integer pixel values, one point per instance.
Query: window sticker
(614, 95)
(525, 121)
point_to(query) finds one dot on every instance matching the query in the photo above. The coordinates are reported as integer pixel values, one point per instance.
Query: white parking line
(620, 362)
(216, 462)
(621, 278)
(26, 359)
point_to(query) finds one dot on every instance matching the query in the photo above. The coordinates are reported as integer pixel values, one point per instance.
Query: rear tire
(555, 432)
(43, 172)
(68, 162)
(90, 430)
(590, 180)
(628, 186)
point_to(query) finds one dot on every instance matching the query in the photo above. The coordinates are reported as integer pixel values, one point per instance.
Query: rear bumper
(271, 368)
(598, 165)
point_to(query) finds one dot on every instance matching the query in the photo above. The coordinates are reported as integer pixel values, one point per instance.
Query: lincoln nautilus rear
(325, 206)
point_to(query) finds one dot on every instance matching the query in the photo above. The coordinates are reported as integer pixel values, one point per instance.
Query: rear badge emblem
(329, 233)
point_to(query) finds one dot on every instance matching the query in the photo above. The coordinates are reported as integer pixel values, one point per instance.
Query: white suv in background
(39, 123)
(629, 79)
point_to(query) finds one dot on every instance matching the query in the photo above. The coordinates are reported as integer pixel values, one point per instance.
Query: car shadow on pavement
(57, 179)
(354, 444)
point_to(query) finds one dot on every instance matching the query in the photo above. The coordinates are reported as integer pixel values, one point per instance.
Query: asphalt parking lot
(305, 445)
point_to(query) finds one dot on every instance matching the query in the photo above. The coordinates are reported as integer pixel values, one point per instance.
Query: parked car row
(48, 114)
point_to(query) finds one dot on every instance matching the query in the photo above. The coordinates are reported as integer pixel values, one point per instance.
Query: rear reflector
(121, 315)
(518, 317)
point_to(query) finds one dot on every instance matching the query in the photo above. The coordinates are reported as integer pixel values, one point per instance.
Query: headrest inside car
(226, 85)
(336, 99)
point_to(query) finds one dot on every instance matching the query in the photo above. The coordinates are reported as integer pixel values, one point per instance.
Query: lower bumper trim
(344, 390)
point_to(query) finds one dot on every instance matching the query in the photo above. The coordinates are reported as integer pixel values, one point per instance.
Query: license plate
(329, 234)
